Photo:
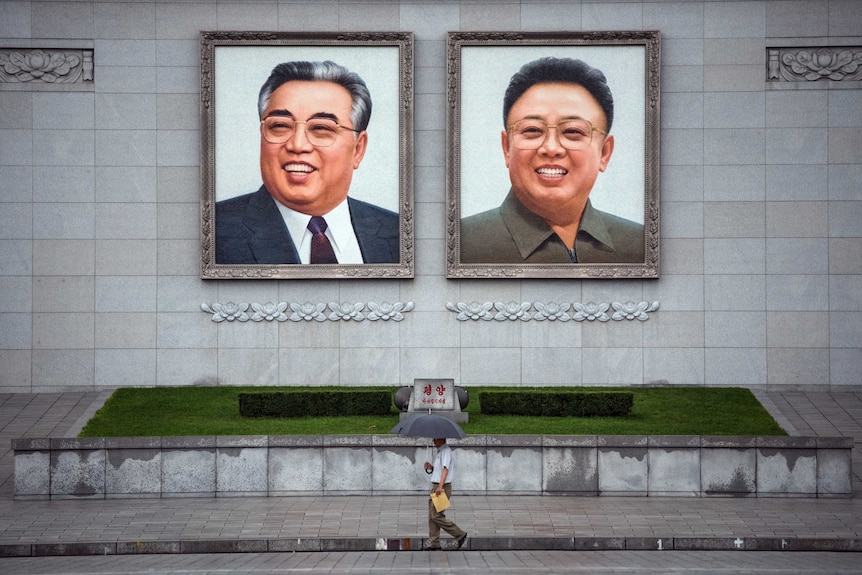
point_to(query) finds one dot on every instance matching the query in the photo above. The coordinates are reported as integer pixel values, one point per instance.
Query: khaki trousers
(437, 520)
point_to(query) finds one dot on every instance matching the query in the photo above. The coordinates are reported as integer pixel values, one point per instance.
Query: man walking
(442, 473)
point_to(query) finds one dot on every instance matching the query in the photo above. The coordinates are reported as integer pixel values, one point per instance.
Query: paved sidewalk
(129, 526)
(40, 415)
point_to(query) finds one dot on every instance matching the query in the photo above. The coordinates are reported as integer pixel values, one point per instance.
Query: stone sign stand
(435, 396)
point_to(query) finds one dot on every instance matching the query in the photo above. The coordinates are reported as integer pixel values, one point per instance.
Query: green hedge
(315, 403)
(557, 404)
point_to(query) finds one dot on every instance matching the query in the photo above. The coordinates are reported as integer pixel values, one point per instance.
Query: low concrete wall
(696, 466)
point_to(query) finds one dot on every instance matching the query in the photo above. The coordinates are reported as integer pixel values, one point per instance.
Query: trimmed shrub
(557, 404)
(315, 403)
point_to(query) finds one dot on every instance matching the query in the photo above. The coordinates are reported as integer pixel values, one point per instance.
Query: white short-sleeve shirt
(444, 459)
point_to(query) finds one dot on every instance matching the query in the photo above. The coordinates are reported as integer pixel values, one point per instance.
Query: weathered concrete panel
(78, 473)
(514, 469)
(834, 473)
(241, 471)
(346, 470)
(472, 472)
(786, 472)
(134, 472)
(674, 471)
(189, 472)
(33, 475)
(570, 470)
(399, 469)
(728, 472)
(295, 470)
(623, 471)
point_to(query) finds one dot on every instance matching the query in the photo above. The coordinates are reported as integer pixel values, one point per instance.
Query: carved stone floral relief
(42, 66)
(552, 311)
(473, 311)
(308, 311)
(814, 64)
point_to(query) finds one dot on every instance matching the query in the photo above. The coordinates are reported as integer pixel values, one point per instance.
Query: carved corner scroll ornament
(812, 64)
(308, 311)
(552, 311)
(44, 66)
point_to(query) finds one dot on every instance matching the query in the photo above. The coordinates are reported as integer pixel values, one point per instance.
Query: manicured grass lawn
(173, 411)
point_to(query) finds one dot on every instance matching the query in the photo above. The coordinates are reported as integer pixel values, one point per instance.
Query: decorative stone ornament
(552, 311)
(308, 311)
(813, 64)
(44, 66)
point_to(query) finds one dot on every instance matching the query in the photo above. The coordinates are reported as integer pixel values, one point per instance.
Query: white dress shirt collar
(339, 231)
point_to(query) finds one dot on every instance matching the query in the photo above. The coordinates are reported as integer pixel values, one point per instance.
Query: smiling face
(552, 181)
(306, 178)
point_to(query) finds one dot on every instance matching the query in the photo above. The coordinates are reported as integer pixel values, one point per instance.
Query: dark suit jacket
(250, 230)
(512, 234)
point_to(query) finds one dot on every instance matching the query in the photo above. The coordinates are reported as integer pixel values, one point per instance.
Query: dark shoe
(433, 549)
(461, 541)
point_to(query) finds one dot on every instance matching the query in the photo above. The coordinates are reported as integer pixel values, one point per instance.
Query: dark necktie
(321, 249)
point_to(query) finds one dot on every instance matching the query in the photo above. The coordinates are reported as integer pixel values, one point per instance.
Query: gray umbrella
(427, 425)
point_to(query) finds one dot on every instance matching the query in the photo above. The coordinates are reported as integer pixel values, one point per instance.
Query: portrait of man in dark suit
(556, 141)
(313, 119)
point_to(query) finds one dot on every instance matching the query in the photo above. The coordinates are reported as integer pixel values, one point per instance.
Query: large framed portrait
(307, 155)
(553, 154)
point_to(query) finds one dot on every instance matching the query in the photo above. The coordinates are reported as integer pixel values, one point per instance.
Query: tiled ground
(499, 562)
(834, 414)
(41, 415)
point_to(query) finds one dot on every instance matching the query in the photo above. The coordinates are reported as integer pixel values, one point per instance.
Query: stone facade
(100, 219)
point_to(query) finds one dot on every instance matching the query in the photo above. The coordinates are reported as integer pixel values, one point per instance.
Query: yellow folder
(441, 502)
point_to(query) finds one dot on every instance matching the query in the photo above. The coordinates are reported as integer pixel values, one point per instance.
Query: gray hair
(328, 71)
